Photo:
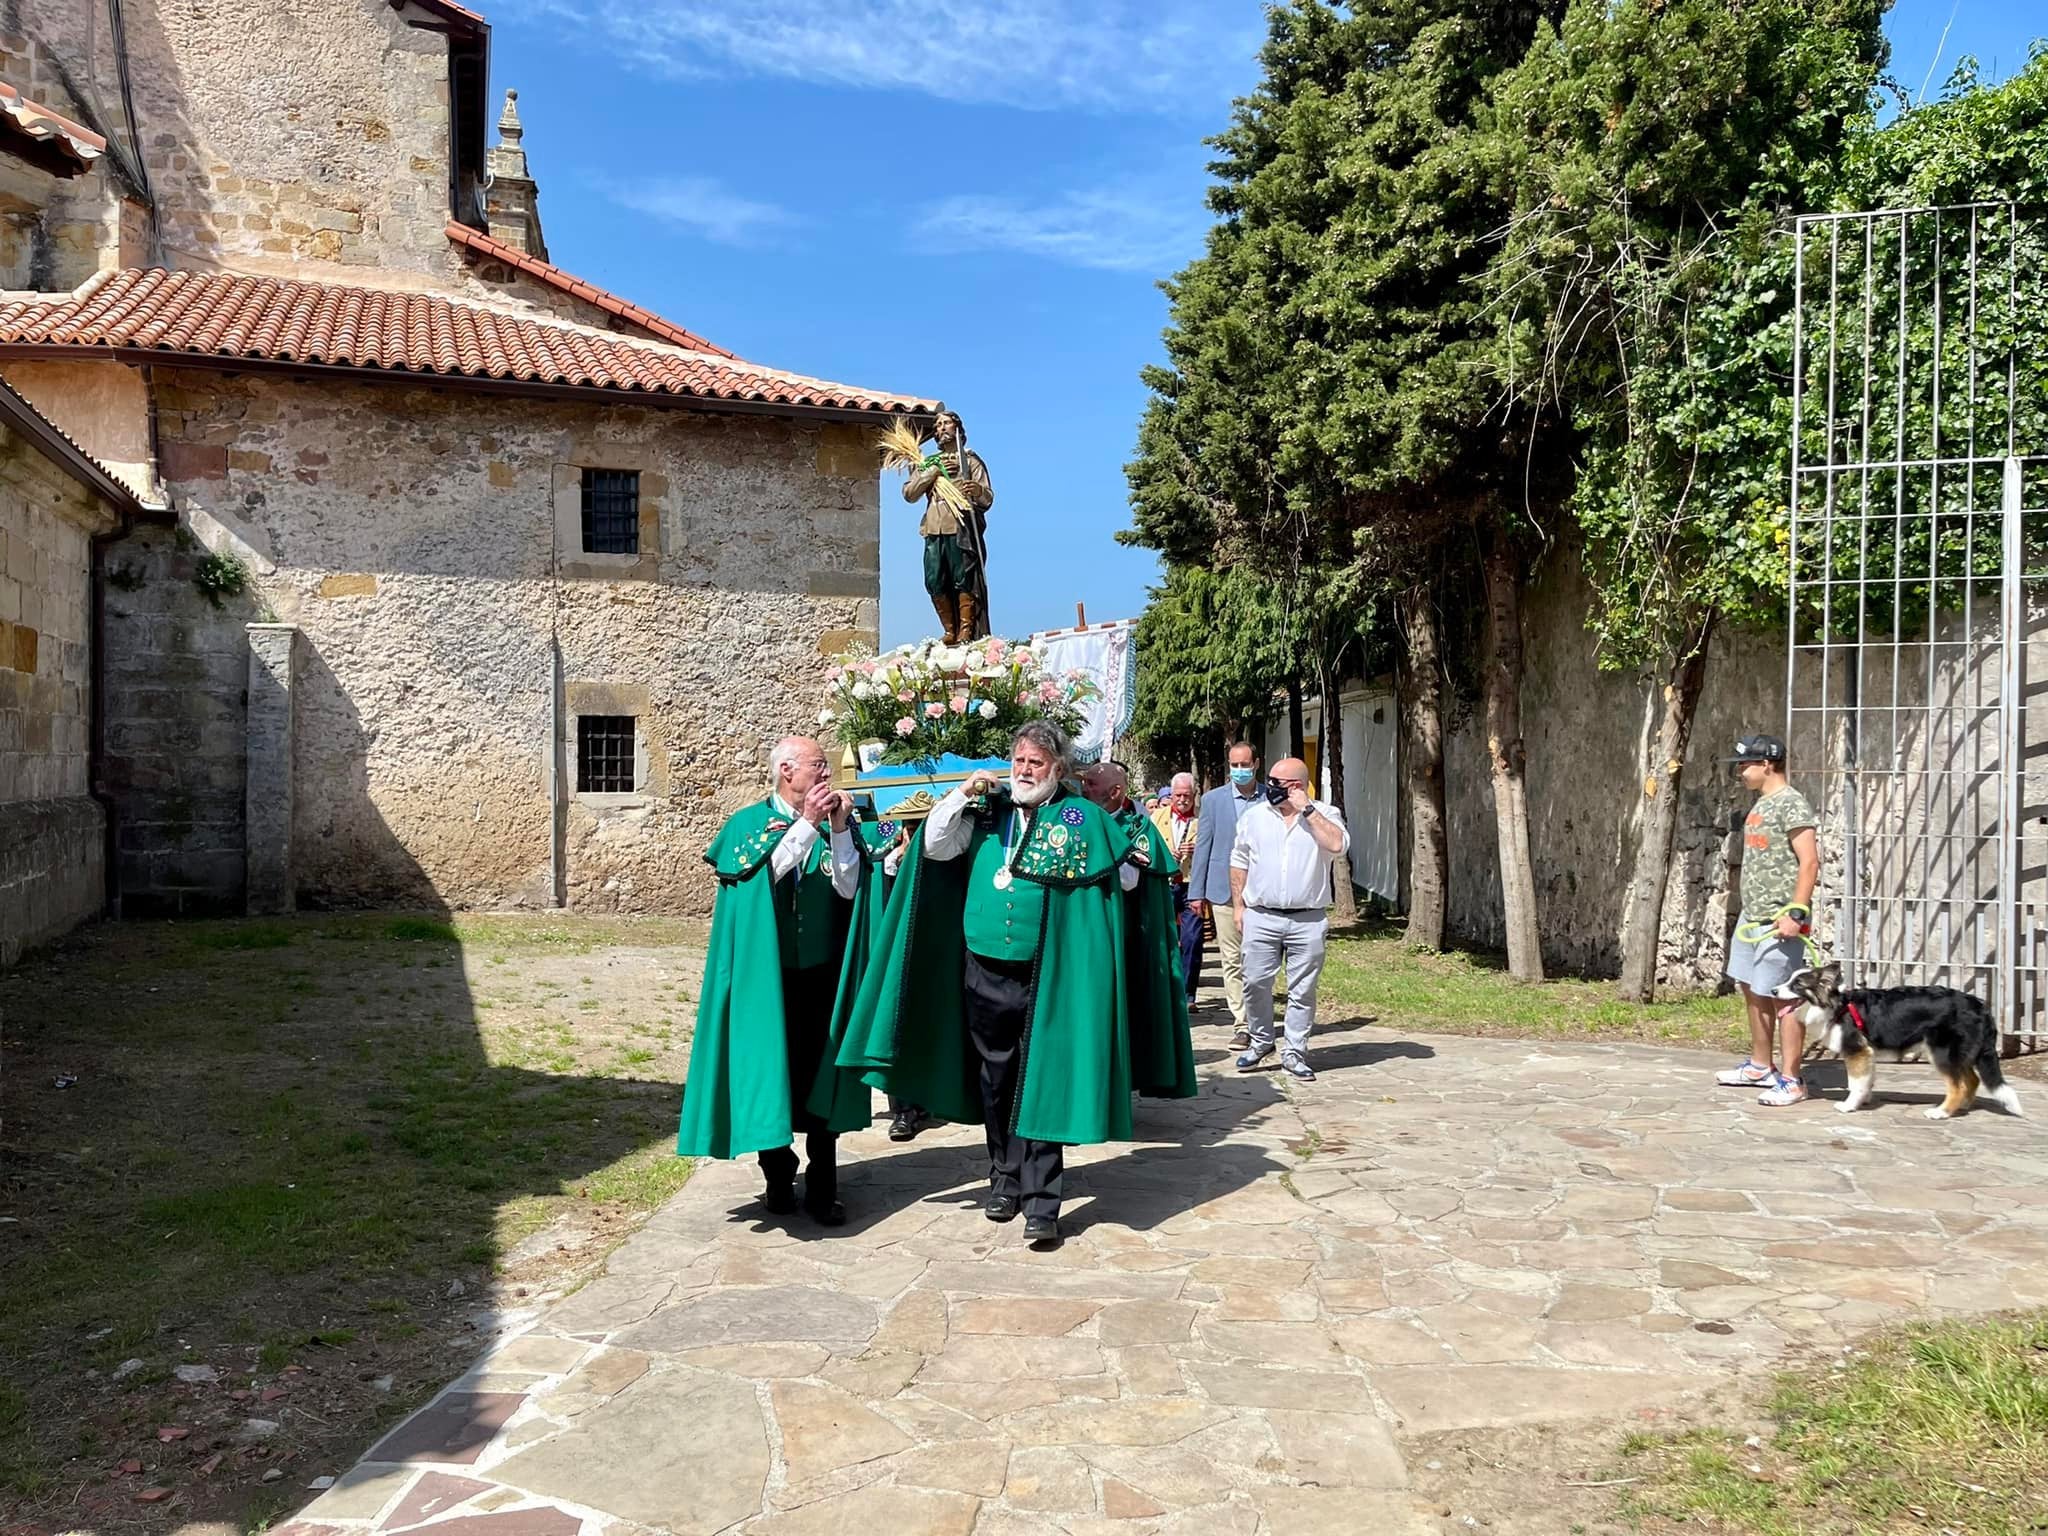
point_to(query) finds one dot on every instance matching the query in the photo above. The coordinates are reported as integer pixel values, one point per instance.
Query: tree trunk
(1422, 767)
(1507, 759)
(1643, 918)
(1344, 898)
(1297, 732)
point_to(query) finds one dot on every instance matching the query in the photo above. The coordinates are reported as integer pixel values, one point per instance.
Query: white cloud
(1141, 55)
(702, 205)
(1111, 229)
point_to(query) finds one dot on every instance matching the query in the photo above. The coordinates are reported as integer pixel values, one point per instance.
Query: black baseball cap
(1759, 748)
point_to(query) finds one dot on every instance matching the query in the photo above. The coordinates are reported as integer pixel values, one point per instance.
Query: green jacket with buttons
(907, 1030)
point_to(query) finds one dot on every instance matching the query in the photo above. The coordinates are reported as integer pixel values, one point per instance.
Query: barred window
(604, 754)
(611, 511)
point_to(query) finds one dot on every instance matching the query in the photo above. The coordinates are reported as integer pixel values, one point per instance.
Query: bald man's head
(1291, 771)
(1106, 784)
(797, 763)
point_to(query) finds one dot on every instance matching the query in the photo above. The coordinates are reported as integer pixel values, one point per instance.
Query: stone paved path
(1260, 1301)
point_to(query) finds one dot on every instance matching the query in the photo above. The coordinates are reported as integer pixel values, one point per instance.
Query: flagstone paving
(1259, 1303)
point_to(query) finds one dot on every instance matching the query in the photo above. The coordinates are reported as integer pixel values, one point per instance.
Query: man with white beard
(998, 990)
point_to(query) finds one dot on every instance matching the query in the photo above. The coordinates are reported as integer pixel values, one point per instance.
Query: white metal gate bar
(1918, 525)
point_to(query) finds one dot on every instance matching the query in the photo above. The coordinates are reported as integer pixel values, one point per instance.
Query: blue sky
(972, 199)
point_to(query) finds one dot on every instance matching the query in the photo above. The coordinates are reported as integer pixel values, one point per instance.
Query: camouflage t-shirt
(1770, 869)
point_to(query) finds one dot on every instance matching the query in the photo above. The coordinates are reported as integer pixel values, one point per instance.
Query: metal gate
(1918, 548)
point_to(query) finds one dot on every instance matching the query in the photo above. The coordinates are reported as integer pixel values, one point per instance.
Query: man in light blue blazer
(1209, 874)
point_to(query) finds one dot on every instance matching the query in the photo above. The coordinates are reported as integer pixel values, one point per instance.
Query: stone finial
(512, 201)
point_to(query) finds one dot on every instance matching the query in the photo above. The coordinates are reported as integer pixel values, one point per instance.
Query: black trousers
(807, 1017)
(998, 996)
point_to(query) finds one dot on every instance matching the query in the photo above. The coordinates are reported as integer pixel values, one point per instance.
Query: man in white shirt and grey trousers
(1280, 890)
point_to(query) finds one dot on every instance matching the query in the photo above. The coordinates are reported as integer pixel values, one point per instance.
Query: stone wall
(275, 131)
(450, 628)
(52, 834)
(1588, 735)
(176, 673)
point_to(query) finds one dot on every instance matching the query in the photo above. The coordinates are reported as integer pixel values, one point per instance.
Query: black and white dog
(1956, 1029)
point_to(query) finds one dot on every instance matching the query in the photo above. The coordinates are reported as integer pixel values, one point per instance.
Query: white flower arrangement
(927, 699)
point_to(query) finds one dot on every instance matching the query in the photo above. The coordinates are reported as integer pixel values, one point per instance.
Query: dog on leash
(1857, 1023)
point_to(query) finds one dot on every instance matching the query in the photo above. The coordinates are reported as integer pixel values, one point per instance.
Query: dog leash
(1763, 932)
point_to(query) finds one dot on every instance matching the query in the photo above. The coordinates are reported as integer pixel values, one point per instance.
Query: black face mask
(1276, 792)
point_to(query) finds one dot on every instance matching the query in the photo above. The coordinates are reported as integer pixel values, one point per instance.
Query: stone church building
(447, 578)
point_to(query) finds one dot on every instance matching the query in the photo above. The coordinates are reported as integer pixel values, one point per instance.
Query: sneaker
(1297, 1069)
(1241, 1040)
(1750, 1074)
(1787, 1090)
(1251, 1058)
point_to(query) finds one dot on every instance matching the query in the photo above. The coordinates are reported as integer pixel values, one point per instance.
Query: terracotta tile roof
(568, 282)
(207, 316)
(50, 130)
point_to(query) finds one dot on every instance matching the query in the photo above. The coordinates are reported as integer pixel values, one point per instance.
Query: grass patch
(243, 936)
(1940, 1426)
(1469, 992)
(285, 1141)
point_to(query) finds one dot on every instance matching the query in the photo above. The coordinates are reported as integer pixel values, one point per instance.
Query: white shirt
(795, 847)
(948, 831)
(1285, 867)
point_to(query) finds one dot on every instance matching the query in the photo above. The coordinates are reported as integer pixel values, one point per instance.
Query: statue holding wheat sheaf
(953, 483)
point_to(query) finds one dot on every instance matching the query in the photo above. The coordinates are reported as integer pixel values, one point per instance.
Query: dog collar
(1856, 1018)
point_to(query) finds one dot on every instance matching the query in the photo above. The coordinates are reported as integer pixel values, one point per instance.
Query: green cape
(908, 1027)
(1162, 1051)
(736, 1099)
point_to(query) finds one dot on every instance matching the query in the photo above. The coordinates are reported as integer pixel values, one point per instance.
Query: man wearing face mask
(1209, 875)
(1002, 994)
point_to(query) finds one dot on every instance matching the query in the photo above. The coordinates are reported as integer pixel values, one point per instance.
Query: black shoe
(780, 1199)
(906, 1125)
(829, 1214)
(1042, 1232)
(1001, 1208)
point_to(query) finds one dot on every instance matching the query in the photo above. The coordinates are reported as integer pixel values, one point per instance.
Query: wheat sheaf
(903, 448)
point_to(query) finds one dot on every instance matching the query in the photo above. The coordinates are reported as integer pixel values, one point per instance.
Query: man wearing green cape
(789, 923)
(1162, 1051)
(1001, 998)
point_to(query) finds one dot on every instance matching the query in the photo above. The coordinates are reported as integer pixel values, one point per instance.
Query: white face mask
(1032, 794)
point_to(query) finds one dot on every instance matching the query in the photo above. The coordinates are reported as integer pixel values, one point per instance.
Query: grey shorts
(1765, 967)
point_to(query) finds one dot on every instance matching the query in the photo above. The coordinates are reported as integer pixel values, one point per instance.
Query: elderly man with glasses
(1287, 844)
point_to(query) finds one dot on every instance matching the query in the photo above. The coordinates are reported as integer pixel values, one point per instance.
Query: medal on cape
(1010, 844)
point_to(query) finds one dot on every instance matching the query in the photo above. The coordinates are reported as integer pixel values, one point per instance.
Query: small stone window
(605, 754)
(611, 511)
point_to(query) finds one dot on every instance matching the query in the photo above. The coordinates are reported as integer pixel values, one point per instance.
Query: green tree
(1323, 407)
(1650, 150)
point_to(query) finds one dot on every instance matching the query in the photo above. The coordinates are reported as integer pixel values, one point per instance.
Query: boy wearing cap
(1780, 864)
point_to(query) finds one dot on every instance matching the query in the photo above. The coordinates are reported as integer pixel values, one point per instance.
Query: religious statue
(954, 486)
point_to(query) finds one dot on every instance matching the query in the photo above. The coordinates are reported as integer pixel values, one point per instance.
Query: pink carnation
(1049, 692)
(959, 705)
(904, 696)
(905, 726)
(934, 711)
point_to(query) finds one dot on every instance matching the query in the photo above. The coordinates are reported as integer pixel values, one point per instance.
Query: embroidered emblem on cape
(1072, 816)
(886, 829)
(1057, 837)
